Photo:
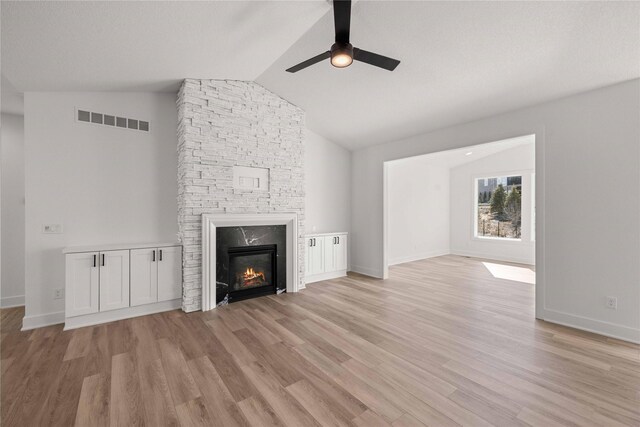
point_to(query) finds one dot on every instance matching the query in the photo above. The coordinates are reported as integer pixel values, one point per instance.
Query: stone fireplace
(240, 164)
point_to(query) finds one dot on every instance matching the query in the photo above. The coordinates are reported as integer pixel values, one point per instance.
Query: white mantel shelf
(117, 246)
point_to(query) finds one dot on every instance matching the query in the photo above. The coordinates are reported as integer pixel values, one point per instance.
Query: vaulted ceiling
(461, 61)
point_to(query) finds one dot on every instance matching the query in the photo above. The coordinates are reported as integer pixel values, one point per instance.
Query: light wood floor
(441, 343)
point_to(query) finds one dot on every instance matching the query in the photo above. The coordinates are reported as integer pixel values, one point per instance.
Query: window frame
(474, 217)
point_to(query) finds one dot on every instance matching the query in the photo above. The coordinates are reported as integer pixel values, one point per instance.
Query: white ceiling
(145, 46)
(460, 60)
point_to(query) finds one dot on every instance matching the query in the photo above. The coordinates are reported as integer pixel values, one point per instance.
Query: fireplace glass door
(252, 271)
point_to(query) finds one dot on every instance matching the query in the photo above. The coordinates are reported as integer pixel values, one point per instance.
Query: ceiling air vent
(112, 120)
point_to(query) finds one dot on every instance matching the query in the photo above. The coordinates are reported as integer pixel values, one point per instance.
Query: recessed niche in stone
(248, 178)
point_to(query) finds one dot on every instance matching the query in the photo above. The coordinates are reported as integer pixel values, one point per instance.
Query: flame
(251, 274)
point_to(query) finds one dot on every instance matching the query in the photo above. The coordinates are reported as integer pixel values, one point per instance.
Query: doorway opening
(477, 202)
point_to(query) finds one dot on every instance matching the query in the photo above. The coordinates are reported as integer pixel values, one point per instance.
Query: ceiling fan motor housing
(341, 54)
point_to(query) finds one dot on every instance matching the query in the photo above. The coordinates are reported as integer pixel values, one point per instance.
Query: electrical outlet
(58, 293)
(612, 303)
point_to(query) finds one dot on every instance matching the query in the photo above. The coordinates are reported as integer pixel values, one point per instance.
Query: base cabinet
(122, 281)
(144, 277)
(169, 273)
(82, 286)
(114, 280)
(314, 259)
(326, 257)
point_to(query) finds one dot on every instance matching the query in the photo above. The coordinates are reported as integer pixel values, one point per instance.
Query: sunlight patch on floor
(511, 272)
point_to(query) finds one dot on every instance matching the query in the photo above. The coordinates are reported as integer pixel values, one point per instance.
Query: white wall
(585, 251)
(104, 185)
(417, 209)
(12, 191)
(519, 160)
(327, 185)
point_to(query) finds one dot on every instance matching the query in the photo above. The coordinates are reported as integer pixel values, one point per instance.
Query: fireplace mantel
(212, 221)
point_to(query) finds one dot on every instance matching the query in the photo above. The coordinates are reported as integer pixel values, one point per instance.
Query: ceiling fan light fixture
(341, 55)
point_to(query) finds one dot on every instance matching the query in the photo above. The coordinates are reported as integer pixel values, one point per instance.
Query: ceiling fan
(342, 53)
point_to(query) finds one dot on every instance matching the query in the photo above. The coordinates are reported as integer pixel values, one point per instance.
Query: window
(499, 207)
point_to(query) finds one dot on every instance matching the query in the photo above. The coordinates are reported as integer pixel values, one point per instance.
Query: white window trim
(474, 217)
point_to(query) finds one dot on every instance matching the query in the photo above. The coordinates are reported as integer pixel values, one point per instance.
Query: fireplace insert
(252, 271)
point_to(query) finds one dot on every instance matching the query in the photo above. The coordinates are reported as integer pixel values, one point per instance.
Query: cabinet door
(144, 276)
(329, 253)
(316, 255)
(114, 280)
(169, 273)
(308, 268)
(340, 252)
(81, 271)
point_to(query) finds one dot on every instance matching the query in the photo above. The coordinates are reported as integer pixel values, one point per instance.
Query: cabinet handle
(94, 259)
(154, 256)
(338, 239)
(334, 240)
(103, 260)
(160, 255)
(314, 241)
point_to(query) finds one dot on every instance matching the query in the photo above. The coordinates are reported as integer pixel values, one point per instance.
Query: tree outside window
(499, 207)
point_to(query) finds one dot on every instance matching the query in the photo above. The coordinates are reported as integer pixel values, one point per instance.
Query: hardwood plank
(194, 413)
(181, 383)
(156, 398)
(231, 343)
(370, 419)
(125, 406)
(93, 407)
(259, 413)
(283, 404)
(407, 421)
(317, 404)
(80, 343)
(215, 394)
(62, 402)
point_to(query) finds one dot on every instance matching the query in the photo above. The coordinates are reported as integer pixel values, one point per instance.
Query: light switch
(52, 228)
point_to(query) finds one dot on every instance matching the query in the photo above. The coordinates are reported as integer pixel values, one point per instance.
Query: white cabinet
(144, 276)
(169, 273)
(326, 256)
(114, 280)
(314, 259)
(82, 284)
(156, 274)
(335, 252)
(126, 280)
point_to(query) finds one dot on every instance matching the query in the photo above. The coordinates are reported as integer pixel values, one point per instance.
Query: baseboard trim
(8, 302)
(366, 271)
(123, 313)
(481, 255)
(587, 324)
(418, 257)
(325, 276)
(42, 320)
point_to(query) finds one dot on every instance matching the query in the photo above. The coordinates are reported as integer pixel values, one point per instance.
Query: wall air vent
(112, 120)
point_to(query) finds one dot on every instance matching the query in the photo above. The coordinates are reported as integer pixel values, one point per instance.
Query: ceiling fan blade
(342, 20)
(310, 62)
(375, 59)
